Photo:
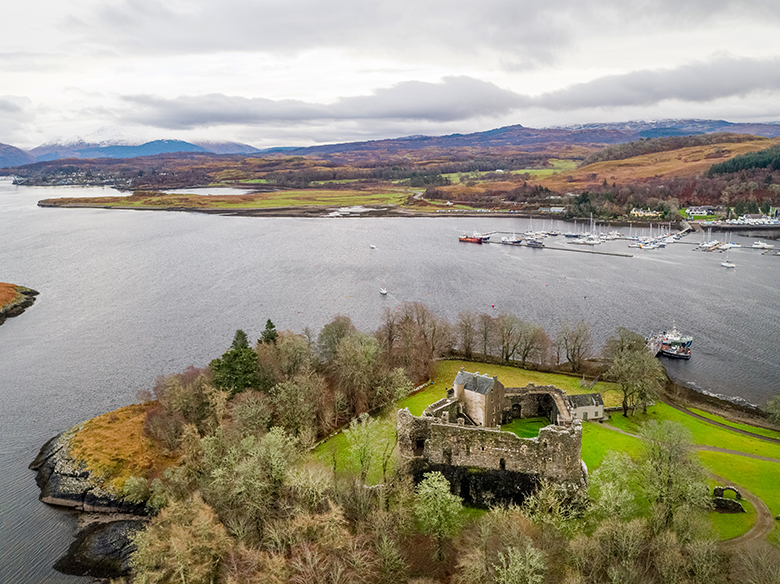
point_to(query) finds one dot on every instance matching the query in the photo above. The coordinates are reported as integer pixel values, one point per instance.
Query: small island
(14, 300)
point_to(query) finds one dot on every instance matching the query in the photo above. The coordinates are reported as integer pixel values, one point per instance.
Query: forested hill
(769, 158)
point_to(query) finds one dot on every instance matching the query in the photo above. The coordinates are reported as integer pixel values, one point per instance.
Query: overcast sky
(302, 72)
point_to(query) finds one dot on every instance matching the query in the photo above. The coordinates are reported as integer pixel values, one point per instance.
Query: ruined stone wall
(553, 455)
(532, 401)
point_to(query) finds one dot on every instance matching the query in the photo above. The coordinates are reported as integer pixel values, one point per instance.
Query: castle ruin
(460, 436)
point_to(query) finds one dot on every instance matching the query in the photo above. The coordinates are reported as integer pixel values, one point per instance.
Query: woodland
(246, 481)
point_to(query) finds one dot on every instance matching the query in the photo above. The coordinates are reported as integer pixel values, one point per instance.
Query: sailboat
(727, 263)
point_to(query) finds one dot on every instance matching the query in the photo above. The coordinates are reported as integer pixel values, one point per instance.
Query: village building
(635, 212)
(586, 406)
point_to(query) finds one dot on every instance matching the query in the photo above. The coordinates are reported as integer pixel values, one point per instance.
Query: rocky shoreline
(103, 548)
(18, 306)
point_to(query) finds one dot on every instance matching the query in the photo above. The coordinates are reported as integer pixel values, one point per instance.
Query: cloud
(514, 34)
(465, 98)
(455, 98)
(696, 82)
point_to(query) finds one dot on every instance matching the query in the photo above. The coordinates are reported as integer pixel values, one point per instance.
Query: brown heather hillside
(8, 293)
(685, 162)
(113, 446)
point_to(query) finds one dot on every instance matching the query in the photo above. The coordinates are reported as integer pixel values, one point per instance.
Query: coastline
(25, 297)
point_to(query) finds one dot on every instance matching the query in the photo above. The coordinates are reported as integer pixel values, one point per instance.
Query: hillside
(684, 162)
(13, 156)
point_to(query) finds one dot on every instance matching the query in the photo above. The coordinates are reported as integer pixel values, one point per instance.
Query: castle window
(419, 447)
(502, 464)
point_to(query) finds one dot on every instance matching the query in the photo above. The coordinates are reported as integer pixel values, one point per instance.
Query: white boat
(762, 245)
(383, 291)
(372, 246)
(728, 264)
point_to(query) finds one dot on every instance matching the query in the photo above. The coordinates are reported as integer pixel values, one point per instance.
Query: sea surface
(130, 295)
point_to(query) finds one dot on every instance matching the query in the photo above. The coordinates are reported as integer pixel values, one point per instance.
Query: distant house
(552, 209)
(701, 210)
(586, 406)
(482, 397)
(644, 213)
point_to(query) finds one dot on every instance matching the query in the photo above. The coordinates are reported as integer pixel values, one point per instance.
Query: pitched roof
(585, 400)
(475, 382)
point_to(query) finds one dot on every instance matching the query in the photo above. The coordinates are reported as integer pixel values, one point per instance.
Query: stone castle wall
(552, 455)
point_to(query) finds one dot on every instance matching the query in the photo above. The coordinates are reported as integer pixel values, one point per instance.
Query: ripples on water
(129, 295)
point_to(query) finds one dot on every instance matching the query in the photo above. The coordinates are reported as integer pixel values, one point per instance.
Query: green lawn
(758, 476)
(731, 525)
(526, 427)
(746, 427)
(598, 440)
(702, 432)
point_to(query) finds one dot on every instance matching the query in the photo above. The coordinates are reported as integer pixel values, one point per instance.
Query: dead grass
(8, 293)
(266, 200)
(683, 162)
(112, 446)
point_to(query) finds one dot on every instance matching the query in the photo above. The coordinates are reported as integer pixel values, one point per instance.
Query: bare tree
(507, 328)
(485, 329)
(574, 341)
(532, 343)
(467, 332)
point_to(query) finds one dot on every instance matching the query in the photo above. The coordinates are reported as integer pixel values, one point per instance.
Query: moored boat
(671, 344)
(470, 239)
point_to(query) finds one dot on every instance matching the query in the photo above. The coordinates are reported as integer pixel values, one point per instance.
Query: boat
(762, 245)
(728, 264)
(672, 344)
(533, 242)
(372, 246)
(470, 239)
(514, 240)
(383, 291)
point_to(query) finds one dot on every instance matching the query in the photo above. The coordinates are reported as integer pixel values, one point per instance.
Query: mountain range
(516, 135)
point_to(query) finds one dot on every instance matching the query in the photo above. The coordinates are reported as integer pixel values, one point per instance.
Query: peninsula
(14, 300)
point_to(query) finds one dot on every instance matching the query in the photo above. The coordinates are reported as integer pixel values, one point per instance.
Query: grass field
(286, 198)
(526, 427)
(515, 377)
(746, 427)
(683, 162)
(598, 440)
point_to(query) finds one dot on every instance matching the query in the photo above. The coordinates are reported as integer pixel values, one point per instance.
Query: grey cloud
(516, 33)
(696, 82)
(455, 98)
(465, 98)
